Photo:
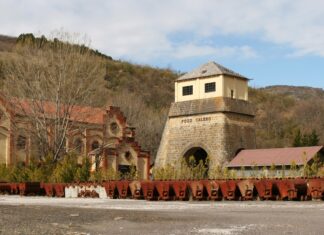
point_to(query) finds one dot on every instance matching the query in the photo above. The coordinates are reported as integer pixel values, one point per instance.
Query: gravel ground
(40, 215)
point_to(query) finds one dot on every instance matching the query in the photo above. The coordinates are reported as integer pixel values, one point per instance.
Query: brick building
(103, 133)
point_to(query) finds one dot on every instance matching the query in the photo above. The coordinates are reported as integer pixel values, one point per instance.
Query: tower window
(232, 94)
(187, 90)
(210, 87)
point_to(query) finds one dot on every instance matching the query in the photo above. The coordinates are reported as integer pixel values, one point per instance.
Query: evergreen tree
(313, 139)
(298, 139)
(306, 139)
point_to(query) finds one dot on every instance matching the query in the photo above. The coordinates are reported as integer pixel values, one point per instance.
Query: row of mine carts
(33, 189)
(243, 189)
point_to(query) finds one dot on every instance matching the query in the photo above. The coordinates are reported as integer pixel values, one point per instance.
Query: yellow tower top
(211, 80)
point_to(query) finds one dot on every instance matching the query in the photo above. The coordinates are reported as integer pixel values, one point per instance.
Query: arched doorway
(198, 154)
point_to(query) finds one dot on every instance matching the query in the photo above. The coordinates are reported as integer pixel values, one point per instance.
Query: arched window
(94, 145)
(21, 142)
(128, 156)
(78, 145)
(114, 128)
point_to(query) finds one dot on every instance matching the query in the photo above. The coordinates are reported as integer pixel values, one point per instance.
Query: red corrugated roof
(85, 114)
(277, 156)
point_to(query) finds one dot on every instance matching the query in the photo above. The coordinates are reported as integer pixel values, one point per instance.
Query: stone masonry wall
(220, 133)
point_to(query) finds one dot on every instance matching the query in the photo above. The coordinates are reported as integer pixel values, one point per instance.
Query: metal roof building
(275, 156)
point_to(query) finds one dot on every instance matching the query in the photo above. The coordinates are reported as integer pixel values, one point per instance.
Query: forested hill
(300, 93)
(282, 110)
(144, 94)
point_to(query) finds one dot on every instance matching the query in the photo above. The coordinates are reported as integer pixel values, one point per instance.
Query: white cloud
(141, 30)
(192, 50)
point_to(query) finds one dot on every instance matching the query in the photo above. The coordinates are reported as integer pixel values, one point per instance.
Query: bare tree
(46, 81)
(149, 123)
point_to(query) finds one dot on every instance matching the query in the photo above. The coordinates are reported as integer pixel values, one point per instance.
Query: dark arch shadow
(198, 153)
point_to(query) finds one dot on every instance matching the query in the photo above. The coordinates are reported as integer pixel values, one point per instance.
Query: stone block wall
(219, 126)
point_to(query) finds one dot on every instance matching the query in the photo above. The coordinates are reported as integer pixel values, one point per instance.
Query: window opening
(187, 90)
(232, 94)
(78, 145)
(210, 87)
(21, 142)
(94, 145)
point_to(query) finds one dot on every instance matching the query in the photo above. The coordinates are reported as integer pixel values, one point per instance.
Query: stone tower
(211, 116)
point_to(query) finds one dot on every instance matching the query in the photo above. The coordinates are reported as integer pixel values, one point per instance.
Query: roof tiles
(85, 114)
(210, 69)
(276, 156)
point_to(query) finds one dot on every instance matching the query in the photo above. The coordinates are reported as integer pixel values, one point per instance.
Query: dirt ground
(40, 215)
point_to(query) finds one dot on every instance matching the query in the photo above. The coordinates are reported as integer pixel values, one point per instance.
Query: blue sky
(271, 41)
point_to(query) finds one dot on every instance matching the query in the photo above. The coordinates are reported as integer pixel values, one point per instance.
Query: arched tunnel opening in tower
(196, 154)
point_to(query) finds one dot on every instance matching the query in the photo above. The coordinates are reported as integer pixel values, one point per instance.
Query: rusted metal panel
(286, 188)
(5, 188)
(180, 188)
(136, 189)
(246, 188)
(301, 188)
(228, 188)
(196, 189)
(14, 188)
(123, 189)
(164, 190)
(30, 188)
(149, 191)
(213, 191)
(48, 188)
(59, 189)
(111, 188)
(315, 188)
(264, 188)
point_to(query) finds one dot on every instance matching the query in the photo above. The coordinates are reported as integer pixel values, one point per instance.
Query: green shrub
(216, 172)
(66, 169)
(199, 171)
(111, 174)
(131, 175)
(293, 169)
(18, 173)
(83, 172)
(98, 176)
(273, 170)
(232, 174)
(4, 173)
(283, 171)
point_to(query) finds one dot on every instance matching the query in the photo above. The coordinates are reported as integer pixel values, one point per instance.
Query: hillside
(145, 93)
(300, 93)
(282, 110)
(7, 43)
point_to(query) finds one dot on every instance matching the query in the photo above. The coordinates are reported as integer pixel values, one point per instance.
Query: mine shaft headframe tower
(211, 116)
